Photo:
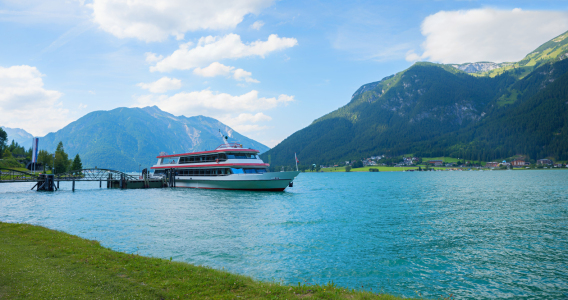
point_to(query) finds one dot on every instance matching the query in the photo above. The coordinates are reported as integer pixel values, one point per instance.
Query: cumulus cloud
(218, 69)
(210, 49)
(257, 25)
(213, 104)
(412, 56)
(487, 34)
(246, 118)
(241, 74)
(241, 123)
(214, 69)
(24, 101)
(162, 85)
(152, 21)
(153, 57)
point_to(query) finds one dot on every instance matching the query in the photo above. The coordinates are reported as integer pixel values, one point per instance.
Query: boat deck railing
(229, 146)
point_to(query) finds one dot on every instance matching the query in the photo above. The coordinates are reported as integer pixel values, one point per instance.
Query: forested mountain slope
(432, 109)
(535, 125)
(123, 138)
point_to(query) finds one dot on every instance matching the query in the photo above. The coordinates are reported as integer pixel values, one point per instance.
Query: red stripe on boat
(211, 151)
(212, 165)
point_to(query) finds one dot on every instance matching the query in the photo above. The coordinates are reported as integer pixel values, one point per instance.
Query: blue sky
(266, 68)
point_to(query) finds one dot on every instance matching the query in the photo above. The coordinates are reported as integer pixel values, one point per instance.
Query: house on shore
(492, 164)
(544, 161)
(436, 162)
(518, 163)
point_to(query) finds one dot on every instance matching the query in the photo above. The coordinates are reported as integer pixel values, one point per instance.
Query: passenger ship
(228, 167)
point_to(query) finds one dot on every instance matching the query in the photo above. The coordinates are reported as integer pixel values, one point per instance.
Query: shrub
(373, 170)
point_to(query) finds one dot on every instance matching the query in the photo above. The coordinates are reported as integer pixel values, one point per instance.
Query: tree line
(16, 156)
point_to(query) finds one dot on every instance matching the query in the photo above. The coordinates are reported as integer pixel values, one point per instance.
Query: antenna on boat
(224, 137)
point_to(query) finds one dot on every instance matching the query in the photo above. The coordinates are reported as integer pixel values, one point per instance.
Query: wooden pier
(113, 179)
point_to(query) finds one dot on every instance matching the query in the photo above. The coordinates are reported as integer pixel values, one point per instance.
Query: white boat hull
(271, 181)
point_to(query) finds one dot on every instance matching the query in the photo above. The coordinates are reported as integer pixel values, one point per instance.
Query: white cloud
(82, 106)
(412, 56)
(152, 57)
(214, 69)
(209, 103)
(25, 103)
(210, 49)
(241, 123)
(246, 117)
(257, 25)
(487, 34)
(241, 74)
(152, 21)
(245, 128)
(218, 69)
(162, 85)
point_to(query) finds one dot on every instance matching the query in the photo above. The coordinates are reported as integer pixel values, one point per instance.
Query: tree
(358, 164)
(8, 161)
(3, 138)
(44, 158)
(347, 168)
(77, 165)
(61, 159)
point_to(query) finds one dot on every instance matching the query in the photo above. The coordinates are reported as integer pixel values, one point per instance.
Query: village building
(544, 161)
(518, 163)
(492, 164)
(436, 162)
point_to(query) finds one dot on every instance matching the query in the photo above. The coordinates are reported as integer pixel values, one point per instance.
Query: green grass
(445, 159)
(39, 263)
(508, 100)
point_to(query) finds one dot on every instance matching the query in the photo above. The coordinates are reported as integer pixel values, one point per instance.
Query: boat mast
(225, 138)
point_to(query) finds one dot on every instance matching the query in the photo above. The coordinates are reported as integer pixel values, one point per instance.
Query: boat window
(170, 160)
(250, 171)
(261, 171)
(222, 156)
(237, 171)
(230, 156)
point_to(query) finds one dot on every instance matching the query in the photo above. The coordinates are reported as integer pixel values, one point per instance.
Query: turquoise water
(499, 234)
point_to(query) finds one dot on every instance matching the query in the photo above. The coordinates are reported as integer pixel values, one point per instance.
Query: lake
(492, 234)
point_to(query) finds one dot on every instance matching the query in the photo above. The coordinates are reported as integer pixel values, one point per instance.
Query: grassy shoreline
(40, 263)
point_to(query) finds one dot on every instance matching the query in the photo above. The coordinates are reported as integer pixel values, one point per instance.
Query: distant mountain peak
(18, 135)
(553, 50)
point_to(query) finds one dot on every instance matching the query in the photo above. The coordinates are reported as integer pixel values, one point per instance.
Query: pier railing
(113, 178)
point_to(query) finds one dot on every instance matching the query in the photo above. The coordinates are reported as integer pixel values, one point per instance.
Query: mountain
(479, 67)
(124, 138)
(435, 109)
(20, 136)
(547, 52)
